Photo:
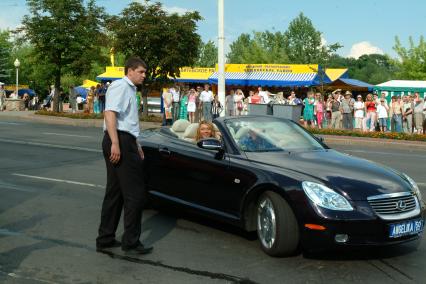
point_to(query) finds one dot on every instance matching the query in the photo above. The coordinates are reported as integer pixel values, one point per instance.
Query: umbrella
(81, 91)
(30, 92)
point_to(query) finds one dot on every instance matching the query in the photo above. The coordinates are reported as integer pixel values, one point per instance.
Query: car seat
(190, 132)
(179, 127)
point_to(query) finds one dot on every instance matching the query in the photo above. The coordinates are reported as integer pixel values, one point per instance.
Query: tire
(277, 226)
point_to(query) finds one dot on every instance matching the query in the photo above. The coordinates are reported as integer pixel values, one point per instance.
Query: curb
(349, 140)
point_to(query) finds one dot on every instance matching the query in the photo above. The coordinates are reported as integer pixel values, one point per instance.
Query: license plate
(406, 228)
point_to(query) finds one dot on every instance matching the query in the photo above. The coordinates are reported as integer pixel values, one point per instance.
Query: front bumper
(371, 231)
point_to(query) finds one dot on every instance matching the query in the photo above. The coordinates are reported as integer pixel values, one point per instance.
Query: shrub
(85, 115)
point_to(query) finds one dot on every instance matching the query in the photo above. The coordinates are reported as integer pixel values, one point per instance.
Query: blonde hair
(211, 127)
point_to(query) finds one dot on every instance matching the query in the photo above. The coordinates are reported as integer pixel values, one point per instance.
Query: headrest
(191, 131)
(180, 125)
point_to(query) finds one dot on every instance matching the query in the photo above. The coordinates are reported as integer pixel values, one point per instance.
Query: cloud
(362, 48)
(177, 10)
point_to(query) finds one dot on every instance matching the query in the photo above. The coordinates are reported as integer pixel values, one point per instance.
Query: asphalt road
(51, 188)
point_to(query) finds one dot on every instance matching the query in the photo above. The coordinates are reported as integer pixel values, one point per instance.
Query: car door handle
(164, 151)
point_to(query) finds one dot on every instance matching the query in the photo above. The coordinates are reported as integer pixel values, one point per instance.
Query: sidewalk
(29, 116)
(329, 139)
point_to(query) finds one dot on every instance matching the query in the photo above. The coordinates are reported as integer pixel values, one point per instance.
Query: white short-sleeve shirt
(121, 98)
(206, 96)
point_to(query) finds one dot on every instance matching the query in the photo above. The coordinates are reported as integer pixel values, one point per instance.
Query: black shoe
(114, 244)
(139, 249)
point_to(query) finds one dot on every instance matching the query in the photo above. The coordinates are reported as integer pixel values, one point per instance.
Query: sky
(362, 26)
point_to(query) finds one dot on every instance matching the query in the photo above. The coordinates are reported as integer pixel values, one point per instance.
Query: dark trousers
(348, 121)
(124, 189)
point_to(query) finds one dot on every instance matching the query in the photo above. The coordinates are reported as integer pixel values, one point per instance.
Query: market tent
(350, 85)
(231, 78)
(194, 75)
(337, 73)
(89, 83)
(280, 75)
(271, 79)
(401, 87)
(112, 73)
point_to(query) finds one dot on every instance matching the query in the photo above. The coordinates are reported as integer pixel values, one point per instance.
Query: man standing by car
(124, 162)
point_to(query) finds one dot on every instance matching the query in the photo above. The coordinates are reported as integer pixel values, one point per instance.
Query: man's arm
(111, 125)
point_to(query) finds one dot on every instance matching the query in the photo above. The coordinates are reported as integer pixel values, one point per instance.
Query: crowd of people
(338, 110)
(405, 113)
(196, 104)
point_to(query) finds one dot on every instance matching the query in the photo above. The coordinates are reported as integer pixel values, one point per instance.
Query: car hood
(352, 177)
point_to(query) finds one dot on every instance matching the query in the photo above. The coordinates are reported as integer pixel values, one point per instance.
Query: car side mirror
(320, 138)
(212, 144)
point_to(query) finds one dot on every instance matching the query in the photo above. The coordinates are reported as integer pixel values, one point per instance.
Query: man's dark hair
(133, 63)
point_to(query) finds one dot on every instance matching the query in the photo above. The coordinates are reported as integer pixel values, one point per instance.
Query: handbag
(240, 105)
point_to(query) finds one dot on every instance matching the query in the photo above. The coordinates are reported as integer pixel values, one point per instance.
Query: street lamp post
(17, 64)
(221, 54)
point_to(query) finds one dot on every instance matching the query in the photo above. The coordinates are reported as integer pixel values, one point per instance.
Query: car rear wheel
(277, 227)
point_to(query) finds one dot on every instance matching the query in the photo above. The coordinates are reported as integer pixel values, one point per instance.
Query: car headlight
(325, 197)
(415, 187)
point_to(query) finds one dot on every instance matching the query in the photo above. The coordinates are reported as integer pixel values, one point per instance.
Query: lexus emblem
(401, 205)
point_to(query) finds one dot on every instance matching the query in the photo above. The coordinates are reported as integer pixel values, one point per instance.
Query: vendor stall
(401, 87)
(273, 75)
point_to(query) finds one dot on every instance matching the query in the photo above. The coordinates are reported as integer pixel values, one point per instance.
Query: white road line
(10, 123)
(50, 145)
(68, 135)
(60, 180)
(32, 279)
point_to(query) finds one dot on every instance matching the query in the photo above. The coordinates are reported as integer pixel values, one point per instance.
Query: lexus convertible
(270, 175)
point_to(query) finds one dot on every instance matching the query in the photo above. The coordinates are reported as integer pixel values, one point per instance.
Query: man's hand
(115, 153)
(141, 153)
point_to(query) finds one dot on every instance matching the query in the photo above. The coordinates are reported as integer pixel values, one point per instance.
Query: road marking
(17, 276)
(10, 123)
(50, 145)
(68, 135)
(60, 180)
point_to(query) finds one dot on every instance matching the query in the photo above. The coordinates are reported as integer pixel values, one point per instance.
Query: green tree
(261, 47)
(165, 41)
(372, 68)
(5, 58)
(303, 43)
(65, 34)
(412, 62)
(208, 54)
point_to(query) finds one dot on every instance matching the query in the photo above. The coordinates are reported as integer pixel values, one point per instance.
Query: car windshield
(263, 134)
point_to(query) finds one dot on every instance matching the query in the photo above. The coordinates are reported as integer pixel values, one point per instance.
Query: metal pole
(221, 55)
(17, 77)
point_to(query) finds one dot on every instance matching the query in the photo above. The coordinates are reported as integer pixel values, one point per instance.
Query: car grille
(395, 206)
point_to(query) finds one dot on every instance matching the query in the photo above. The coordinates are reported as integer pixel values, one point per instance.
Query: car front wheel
(277, 227)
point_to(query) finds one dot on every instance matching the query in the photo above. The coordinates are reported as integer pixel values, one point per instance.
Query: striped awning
(270, 79)
(231, 78)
